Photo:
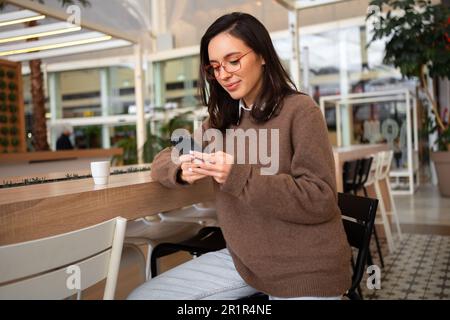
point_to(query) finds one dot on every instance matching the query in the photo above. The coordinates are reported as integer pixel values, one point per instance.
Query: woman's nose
(223, 74)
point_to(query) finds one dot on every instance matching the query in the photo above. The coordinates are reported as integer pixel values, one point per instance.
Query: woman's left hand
(217, 165)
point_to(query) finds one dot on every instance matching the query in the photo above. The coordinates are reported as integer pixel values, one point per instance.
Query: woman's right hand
(187, 175)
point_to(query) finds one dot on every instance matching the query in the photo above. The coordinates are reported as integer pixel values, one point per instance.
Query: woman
(283, 229)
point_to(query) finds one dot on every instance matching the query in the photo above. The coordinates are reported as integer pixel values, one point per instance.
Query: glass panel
(80, 92)
(176, 83)
(88, 137)
(121, 93)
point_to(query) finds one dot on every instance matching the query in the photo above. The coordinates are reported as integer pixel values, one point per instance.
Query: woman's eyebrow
(228, 55)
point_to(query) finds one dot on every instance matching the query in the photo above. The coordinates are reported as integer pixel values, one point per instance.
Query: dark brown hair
(223, 109)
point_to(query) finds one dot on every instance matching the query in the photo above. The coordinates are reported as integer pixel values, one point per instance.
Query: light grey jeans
(211, 276)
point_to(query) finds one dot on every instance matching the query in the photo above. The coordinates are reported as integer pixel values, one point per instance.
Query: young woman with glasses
(283, 231)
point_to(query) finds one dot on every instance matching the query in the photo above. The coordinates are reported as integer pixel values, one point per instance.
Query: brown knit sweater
(284, 231)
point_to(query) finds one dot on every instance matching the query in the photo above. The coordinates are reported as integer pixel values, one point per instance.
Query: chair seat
(259, 296)
(208, 239)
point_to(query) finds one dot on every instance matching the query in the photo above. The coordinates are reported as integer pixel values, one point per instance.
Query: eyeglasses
(231, 65)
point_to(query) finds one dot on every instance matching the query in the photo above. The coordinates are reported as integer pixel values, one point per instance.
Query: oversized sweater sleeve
(308, 194)
(164, 170)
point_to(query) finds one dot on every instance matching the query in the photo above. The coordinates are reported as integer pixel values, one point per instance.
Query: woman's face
(244, 83)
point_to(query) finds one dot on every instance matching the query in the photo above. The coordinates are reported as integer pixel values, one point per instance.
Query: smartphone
(186, 144)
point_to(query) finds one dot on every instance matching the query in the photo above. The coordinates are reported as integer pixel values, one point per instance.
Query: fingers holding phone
(217, 165)
(187, 169)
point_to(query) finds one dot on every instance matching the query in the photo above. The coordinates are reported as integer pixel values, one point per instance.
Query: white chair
(173, 226)
(201, 213)
(61, 266)
(383, 178)
(373, 181)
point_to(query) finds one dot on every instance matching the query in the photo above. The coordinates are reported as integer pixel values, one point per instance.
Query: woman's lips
(232, 86)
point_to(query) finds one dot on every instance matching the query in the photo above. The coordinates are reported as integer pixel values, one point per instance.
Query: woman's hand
(187, 174)
(217, 165)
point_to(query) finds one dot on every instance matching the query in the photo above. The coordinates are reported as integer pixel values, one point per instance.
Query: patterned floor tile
(419, 269)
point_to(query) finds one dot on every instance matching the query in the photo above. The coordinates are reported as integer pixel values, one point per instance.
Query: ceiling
(30, 31)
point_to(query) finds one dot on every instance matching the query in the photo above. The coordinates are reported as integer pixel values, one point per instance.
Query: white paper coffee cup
(100, 172)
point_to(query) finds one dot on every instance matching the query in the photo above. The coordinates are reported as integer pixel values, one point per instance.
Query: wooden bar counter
(33, 163)
(42, 210)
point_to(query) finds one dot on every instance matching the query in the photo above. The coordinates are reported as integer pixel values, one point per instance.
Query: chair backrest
(373, 172)
(364, 171)
(385, 164)
(358, 217)
(350, 175)
(61, 266)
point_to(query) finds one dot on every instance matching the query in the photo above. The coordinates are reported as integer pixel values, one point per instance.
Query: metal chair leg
(377, 242)
(354, 296)
(376, 237)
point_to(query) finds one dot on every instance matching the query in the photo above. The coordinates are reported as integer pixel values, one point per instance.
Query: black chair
(358, 217)
(208, 239)
(350, 175)
(363, 174)
(355, 175)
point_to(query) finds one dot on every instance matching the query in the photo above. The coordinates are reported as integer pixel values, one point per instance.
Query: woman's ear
(263, 62)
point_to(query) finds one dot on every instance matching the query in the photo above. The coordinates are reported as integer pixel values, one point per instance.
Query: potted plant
(418, 44)
(15, 143)
(13, 119)
(5, 143)
(12, 97)
(14, 131)
(10, 74)
(154, 143)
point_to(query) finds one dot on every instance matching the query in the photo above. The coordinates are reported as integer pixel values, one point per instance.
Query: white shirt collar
(242, 106)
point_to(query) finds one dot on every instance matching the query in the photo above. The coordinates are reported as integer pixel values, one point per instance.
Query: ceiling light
(56, 46)
(23, 20)
(40, 34)
(111, 44)
(20, 16)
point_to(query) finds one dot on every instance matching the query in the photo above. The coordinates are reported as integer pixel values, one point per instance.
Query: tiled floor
(420, 266)
(418, 269)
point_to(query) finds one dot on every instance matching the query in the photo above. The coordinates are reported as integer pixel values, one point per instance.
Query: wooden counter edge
(58, 155)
